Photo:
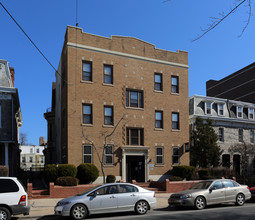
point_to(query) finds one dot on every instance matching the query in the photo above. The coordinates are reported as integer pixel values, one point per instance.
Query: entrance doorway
(135, 168)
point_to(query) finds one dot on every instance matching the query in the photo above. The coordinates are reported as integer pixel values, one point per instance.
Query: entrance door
(135, 168)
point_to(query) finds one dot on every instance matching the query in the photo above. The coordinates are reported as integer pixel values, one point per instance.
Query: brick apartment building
(125, 85)
(237, 86)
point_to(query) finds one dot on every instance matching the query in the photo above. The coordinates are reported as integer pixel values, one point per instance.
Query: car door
(231, 190)
(104, 200)
(127, 197)
(216, 193)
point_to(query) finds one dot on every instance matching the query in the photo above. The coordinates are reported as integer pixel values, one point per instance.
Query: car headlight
(186, 196)
(63, 203)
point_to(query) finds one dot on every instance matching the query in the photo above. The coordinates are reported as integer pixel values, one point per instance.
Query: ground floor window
(87, 154)
(176, 155)
(108, 154)
(226, 160)
(159, 155)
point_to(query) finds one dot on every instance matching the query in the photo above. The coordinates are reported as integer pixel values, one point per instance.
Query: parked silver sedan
(211, 192)
(107, 198)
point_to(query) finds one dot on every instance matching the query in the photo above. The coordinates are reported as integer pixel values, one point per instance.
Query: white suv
(13, 198)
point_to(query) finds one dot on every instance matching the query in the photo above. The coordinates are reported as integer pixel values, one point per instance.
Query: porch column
(6, 155)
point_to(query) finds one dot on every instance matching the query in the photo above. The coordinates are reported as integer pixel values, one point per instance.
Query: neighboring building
(31, 157)
(10, 119)
(238, 86)
(99, 81)
(233, 121)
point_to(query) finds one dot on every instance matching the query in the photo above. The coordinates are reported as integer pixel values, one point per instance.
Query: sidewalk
(42, 207)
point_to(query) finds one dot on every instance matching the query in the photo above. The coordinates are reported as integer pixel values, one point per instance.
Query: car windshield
(88, 190)
(202, 185)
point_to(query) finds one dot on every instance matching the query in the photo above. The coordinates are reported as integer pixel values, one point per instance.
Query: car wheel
(141, 207)
(240, 199)
(78, 211)
(4, 214)
(200, 202)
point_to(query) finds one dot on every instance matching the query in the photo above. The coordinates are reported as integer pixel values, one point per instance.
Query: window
(127, 189)
(158, 82)
(87, 71)
(175, 121)
(37, 150)
(175, 158)
(221, 134)
(239, 111)
(220, 109)
(112, 189)
(159, 155)
(208, 108)
(251, 113)
(87, 113)
(252, 137)
(108, 153)
(108, 74)
(7, 186)
(226, 160)
(135, 136)
(108, 115)
(175, 84)
(134, 98)
(217, 185)
(31, 150)
(41, 159)
(240, 135)
(31, 159)
(228, 183)
(23, 159)
(158, 119)
(87, 154)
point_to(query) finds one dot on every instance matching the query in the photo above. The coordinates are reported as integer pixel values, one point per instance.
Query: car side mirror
(212, 188)
(96, 194)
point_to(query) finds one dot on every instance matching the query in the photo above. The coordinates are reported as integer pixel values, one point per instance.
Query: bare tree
(23, 138)
(106, 136)
(245, 151)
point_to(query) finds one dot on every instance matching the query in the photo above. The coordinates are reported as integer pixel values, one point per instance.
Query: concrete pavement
(42, 207)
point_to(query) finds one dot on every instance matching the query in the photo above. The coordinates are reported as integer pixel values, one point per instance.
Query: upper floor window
(239, 111)
(158, 119)
(175, 84)
(175, 121)
(208, 108)
(159, 155)
(108, 154)
(158, 85)
(176, 155)
(221, 134)
(251, 113)
(31, 150)
(108, 74)
(134, 98)
(135, 136)
(87, 71)
(240, 135)
(23, 159)
(87, 154)
(252, 137)
(108, 115)
(37, 150)
(87, 113)
(220, 109)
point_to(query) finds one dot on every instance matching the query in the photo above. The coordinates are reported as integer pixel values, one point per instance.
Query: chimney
(41, 141)
(12, 75)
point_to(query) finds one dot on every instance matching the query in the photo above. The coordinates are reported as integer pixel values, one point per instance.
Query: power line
(30, 39)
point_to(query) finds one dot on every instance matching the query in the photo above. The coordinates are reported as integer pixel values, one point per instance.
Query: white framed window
(220, 109)
(31, 150)
(239, 111)
(31, 159)
(251, 113)
(159, 155)
(108, 154)
(176, 155)
(208, 108)
(87, 154)
(221, 134)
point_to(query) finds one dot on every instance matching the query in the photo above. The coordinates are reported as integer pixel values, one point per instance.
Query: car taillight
(154, 195)
(248, 187)
(22, 200)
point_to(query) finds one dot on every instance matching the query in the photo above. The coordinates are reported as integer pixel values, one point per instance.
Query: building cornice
(126, 55)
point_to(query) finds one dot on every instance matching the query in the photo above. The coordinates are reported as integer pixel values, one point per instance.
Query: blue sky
(170, 25)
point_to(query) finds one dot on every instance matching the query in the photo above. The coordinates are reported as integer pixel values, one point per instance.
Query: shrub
(110, 179)
(50, 173)
(4, 171)
(67, 181)
(87, 173)
(67, 170)
(222, 172)
(183, 171)
(204, 174)
(175, 178)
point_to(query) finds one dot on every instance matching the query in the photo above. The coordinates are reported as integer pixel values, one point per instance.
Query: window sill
(108, 126)
(107, 84)
(88, 82)
(158, 129)
(172, 93)
(159, 165)
(87, 125)
(134, 108)
(176, 130)
(158, 91)
(108, 165)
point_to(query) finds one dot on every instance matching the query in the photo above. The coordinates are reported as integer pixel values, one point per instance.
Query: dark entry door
(135, 168)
